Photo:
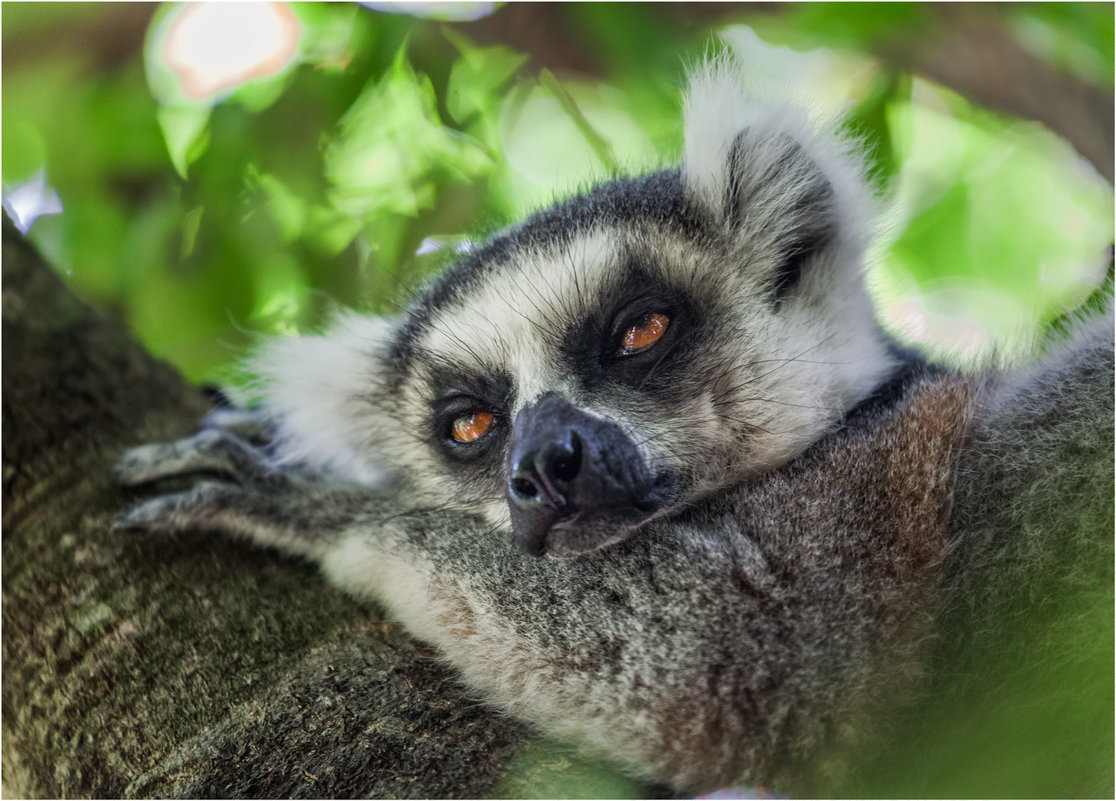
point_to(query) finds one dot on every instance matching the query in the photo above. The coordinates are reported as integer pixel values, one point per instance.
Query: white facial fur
(773, 372)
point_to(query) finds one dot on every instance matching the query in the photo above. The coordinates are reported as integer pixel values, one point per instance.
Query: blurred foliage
(546, 768)
(357, 157)
(383, 141)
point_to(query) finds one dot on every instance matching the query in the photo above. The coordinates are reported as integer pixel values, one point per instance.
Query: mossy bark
(152, 666)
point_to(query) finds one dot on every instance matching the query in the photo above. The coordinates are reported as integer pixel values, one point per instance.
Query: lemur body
(676, 382)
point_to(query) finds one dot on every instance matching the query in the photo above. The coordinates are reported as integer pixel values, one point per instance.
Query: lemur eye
(471, 427)
(645, 333)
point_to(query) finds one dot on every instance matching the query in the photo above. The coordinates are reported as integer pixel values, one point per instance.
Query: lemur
(646, 468)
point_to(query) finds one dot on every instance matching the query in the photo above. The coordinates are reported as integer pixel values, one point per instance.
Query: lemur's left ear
(790, 185)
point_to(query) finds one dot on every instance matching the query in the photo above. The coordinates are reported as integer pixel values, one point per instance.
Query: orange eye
(644, 334)
(472, 427)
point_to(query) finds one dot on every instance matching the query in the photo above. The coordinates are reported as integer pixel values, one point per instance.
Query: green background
(389, 139)
(388, 134)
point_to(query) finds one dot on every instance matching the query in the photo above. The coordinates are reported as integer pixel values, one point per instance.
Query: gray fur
(1042, 441)
(823, 503)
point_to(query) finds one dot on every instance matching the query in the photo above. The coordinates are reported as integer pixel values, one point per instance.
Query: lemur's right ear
(317, 388)
(768, 172)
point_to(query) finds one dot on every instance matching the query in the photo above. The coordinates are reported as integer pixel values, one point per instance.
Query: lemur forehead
(657, 199)
(519, 314)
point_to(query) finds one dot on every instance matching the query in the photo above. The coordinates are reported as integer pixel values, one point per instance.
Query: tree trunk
(171, 667)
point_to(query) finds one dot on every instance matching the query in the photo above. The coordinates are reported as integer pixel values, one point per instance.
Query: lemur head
(627, 352)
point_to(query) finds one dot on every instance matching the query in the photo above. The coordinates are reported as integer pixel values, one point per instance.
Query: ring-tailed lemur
(676, 380)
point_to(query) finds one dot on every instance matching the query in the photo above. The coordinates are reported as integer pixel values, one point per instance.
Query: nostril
(565, 465)
(546, 476)
(524, 488)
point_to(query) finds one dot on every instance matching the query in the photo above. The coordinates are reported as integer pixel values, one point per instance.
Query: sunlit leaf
(330, 230)
(547, 146)
(200, 52)
(870, 123)
(280, 288)
(185, 132)
(966, 180)
(391, 146)
(1075, 37)
(24, 151)
(478, 77)
(289, 210)
(258, 95)
(853, 26)
(190, 224)
(598, 143)
(136, 147)
(545, 768)
(327, 33)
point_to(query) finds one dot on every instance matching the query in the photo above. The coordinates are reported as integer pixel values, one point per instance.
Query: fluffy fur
(760, 234)
(784, 584)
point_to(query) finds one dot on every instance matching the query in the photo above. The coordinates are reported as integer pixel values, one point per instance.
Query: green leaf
(1074, 37)
(853, 26)
(547, 144)
(870, 122)
(328, 30)
(392, 146)
(600, 146)
(191, 222)
(190, 63)
(289, 210)
(331, 231)
(185, 132)
(545, 768)
(24, 151)
(477, 78)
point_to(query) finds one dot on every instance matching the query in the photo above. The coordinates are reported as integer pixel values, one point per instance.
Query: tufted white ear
(757, 162)
(319, 389)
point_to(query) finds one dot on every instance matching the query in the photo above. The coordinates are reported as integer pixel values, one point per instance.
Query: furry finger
(254, 516)
(210, 450)
(175, 512)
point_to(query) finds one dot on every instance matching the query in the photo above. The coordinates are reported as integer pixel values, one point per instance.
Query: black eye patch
(459, 394)
(594, 350)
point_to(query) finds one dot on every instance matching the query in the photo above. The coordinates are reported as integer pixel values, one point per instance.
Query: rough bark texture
(155, 667)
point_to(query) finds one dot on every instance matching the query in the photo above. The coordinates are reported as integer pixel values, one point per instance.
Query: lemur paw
(211, 450)
(243, 490)
(199, 507)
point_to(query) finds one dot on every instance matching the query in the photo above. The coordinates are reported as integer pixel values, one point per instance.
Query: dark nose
(547, 469)
(541, 477)
(544, 475)
(572, 479)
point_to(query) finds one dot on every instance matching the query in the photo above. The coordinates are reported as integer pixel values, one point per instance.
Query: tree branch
(162, 667)
(972, 53)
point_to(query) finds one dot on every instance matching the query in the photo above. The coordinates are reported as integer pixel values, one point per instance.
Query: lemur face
(620, 355)
(625, 353)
